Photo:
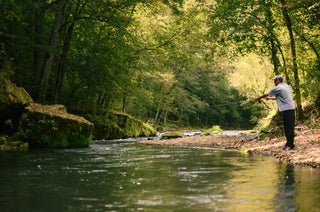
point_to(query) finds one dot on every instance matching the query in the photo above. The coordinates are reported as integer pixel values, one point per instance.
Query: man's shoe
(286, 148)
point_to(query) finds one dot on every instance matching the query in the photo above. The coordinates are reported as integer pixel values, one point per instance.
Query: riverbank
(307, 151)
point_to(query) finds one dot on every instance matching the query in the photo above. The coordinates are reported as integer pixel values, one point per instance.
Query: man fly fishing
(283, 96)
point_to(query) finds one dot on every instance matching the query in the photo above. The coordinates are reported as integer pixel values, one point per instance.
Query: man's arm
(270, 98)
(265, 96)
(261, 97)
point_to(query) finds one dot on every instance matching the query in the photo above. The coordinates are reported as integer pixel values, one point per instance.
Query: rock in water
(170, 135)
(52, 126)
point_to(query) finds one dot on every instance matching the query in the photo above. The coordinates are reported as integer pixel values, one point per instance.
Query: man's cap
(278, 77)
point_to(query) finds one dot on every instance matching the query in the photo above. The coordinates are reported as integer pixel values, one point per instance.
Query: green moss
(11, 95)
(7, 145)
(261, 138)
(24, 146)
(206, 133)
(116, 125)
(54, 129)
(3, 140)
(170, 135)
(148, 130)
(12, 101)
(15, 143)
(213, 129)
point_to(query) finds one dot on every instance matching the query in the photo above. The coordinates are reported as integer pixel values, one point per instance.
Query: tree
(75, 11)
(171, 62)
(294, 58)
(49, 56)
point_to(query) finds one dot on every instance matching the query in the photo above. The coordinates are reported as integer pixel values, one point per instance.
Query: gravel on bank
(307, 151)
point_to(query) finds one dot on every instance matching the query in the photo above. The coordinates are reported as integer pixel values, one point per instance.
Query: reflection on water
(252, 186)
(286, 189)
(124, 176)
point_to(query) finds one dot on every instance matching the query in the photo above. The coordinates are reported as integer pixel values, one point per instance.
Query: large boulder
(52, 126)
(12, 102)
(119, 125)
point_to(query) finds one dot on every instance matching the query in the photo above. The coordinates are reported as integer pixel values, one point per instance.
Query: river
(121, 175)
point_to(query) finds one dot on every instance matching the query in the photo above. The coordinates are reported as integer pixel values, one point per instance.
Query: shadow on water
(120, 175)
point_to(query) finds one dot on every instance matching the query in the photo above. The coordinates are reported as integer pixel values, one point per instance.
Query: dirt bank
(307, 151)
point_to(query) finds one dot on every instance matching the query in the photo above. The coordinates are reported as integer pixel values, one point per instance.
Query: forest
(170, 63)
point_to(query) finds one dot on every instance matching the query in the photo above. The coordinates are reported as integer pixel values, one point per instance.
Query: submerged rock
(52, 126)
(119, 125)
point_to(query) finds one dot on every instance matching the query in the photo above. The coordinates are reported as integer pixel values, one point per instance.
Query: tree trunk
(48, 61)
(272, 37)
(38, 29)
(284, 65)
(157, 113)
(100, 102)
(160, 116)
(62, 63)
(66, 46)
(274, 58)
(103, 100)
(124, 102)
(294, 59)
(180, 118)
(165, 118)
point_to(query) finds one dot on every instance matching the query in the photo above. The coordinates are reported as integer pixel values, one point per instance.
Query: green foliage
(171, 63)
(8, 123)
(213, 129)
(51, 125)
(6, 70)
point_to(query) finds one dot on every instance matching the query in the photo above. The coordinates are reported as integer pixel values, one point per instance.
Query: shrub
(213, 129)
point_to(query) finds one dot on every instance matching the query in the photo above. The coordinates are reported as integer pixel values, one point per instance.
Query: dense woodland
(185, 63)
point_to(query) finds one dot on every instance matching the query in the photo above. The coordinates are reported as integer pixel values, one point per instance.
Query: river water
(121, 175)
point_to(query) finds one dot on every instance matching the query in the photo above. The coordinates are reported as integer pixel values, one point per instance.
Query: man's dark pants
(288, 123)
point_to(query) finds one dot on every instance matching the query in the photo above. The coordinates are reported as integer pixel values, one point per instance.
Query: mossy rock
(52, 126)
(3, 140)
(12, 103)
(115, 125)
(170, 135)
(147, 131)
(7, 145)
(104, 128)
(11, 95)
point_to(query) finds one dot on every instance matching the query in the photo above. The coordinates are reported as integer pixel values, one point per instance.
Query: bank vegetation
(173, 63)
